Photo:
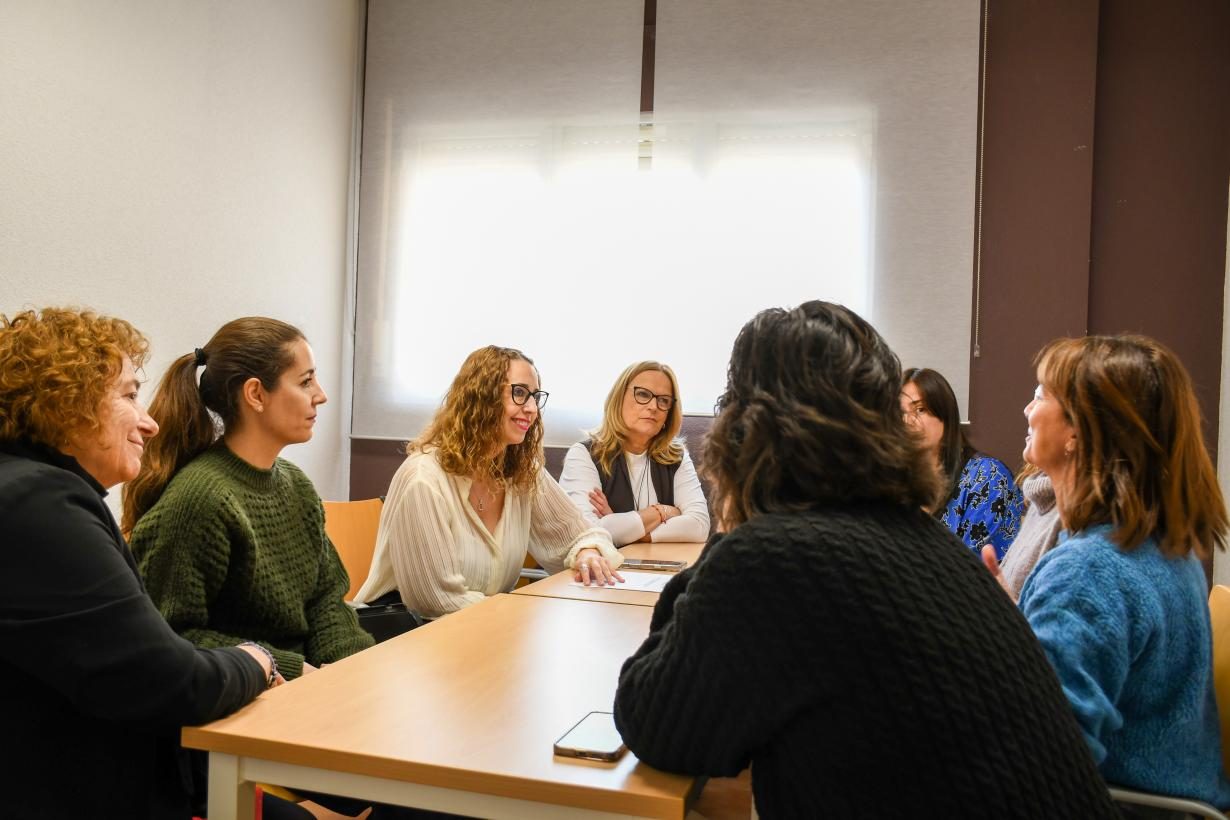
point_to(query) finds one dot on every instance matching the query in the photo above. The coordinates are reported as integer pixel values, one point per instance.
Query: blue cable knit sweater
(1128, 632)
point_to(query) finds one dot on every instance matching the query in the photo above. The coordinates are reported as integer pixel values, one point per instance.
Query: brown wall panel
(372, 464)
(1161, 166)
(1037, 172)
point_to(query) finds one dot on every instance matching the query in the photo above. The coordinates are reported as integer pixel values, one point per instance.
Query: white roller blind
(905, 75)
(502, 200)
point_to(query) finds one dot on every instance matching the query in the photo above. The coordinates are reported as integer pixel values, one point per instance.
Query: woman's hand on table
(591, 567)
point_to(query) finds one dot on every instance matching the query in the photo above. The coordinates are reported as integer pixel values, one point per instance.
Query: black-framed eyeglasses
(521, 393)
(642, 396)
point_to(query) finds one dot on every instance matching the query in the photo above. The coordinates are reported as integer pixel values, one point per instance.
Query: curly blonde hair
(466, 429)
(609, 439)
(59, 365)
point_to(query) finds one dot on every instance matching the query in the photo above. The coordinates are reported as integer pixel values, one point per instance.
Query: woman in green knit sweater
(228, 536)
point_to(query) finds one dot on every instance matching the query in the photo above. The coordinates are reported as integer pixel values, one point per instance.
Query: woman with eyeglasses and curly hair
(633, 476)
(826, 639)
(473, 496)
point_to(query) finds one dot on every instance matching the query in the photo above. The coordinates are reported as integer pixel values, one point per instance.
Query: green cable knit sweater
(232, 553)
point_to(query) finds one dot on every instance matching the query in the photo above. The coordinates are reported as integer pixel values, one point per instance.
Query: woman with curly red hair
(473, 496)
(94, 683)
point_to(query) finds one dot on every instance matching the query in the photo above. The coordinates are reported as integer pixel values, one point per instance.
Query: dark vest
(617, 485)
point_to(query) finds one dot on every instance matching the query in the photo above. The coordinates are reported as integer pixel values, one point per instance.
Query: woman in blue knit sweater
(1120, 605)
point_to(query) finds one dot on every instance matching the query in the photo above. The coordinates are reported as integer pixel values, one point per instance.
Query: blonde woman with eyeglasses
(473, 497)
(633, 477)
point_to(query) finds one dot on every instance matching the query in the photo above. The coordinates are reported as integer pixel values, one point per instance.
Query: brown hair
(1140, 462)
(609, 439)
(940, 401)
(59, 365)
(466, 429)
(812, 415)
(252, 347)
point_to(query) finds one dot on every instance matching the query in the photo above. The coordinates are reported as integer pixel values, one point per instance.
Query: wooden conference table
(458, 716)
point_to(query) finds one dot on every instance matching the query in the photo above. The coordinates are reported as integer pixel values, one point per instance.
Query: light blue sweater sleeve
(1072, 601)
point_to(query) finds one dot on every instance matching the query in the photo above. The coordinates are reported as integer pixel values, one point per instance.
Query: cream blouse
(434, 549)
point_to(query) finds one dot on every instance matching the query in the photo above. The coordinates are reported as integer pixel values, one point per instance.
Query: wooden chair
(1219, 614)
(352, 527)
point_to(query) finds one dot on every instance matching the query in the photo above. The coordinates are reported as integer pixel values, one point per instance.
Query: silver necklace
(641, 488)
(490, 497)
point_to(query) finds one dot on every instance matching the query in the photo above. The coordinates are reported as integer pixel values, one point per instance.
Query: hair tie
(200, 357)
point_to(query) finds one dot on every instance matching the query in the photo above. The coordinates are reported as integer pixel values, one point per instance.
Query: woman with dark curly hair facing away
(228, 535)
(473, 496)
(1120, 604)
(979, 499)
(827, 638)
(94, 684)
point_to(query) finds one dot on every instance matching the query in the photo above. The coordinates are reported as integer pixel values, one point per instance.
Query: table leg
(230, 796)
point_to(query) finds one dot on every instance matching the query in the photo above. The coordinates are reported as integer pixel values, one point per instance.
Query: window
(505, 204)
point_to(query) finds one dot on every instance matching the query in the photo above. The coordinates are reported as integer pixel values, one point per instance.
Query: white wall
(181, 163)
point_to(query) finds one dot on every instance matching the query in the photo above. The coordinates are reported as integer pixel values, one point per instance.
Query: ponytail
(185, 431)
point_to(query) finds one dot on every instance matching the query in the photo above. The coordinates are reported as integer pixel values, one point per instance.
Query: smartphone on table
(594, 737)
(653, 564)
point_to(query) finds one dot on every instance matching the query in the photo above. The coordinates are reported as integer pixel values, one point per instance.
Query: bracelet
(273, 662)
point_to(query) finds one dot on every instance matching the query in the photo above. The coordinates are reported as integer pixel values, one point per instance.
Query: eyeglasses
(521, 393)
(642, 396)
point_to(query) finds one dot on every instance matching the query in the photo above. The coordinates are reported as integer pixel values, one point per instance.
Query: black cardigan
(866, 665)
(94, 684)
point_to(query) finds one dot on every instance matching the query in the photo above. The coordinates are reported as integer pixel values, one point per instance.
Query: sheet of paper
(639, 581)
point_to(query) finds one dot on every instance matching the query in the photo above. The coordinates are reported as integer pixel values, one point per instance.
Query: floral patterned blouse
(986, 507)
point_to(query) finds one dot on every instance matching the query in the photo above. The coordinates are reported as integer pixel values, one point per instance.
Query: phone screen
(595, 738)
(654, 563)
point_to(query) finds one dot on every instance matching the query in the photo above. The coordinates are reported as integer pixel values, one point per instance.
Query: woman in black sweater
(837, 638)
(94, 684)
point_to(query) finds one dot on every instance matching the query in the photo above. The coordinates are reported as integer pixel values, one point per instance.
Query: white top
(580, 475)
(434, 549)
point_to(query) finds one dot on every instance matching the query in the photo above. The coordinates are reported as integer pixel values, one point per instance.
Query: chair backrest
(352, 527)
(1219, 613)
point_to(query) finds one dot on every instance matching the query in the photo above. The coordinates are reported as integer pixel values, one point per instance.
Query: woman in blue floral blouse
(982, 503)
